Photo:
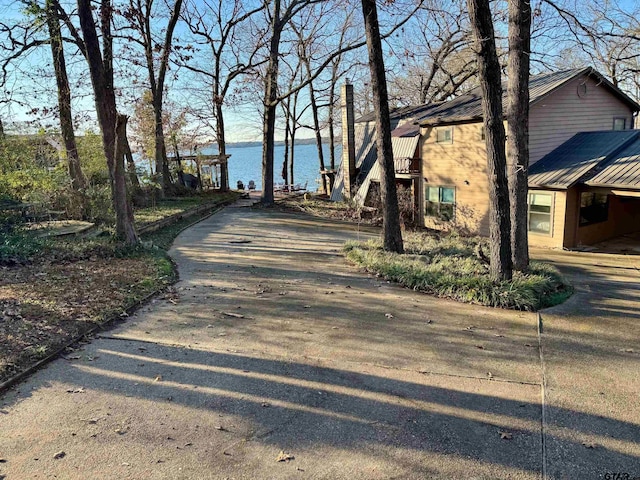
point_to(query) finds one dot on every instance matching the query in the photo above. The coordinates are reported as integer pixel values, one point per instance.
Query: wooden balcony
(407, 167)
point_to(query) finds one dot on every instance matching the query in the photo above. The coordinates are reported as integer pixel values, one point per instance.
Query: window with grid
(441, 202)
(540, 214)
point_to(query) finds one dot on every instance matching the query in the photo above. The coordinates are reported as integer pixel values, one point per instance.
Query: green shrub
(448, 266)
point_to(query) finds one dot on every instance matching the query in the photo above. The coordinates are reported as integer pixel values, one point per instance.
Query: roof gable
(468, 108)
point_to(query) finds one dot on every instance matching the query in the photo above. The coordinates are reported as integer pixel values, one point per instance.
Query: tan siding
(555, 240)
(461, 164)
(571, 218)
(558, 117)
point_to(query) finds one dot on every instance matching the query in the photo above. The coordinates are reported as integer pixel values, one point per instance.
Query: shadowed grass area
(448, 266)
(54, 289)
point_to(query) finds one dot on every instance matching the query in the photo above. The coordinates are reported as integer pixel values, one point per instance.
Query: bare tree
(78, 180)
(218, 26)
(491, 85)
(140, 14)
(101, 70)
(436, 55)
(391, 231)
(605, 34)
(518, 127)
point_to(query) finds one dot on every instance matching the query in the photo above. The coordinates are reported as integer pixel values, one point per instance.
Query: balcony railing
(405, 166)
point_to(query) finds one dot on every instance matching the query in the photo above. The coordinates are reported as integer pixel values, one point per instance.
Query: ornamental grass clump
(450, 266)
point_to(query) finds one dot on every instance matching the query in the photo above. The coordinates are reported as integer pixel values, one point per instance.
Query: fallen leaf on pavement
(284, 457)
(58, 455)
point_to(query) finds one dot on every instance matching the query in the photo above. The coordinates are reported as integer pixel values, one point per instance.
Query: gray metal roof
(621, 171)
(467, 108)
(400, 112)
(366, 150)
(578, 158)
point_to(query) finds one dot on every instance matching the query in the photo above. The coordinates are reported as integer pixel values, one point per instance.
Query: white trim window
(440, 202)
(540, 219)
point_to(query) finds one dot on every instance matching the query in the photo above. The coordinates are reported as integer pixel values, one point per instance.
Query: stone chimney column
(348, 140)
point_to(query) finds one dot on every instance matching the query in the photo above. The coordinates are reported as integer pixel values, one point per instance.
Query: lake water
(245, 164)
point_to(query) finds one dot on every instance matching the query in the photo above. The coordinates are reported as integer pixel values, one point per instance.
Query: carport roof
(603, 159)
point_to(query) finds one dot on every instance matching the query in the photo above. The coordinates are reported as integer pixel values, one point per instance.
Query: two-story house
(584, 187)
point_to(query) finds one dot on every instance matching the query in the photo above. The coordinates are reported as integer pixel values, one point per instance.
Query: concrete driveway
(271, 347)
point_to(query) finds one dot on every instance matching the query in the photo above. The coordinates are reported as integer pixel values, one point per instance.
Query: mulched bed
(45, 305)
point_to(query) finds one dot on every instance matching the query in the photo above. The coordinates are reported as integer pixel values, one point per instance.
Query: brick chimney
(348, 140)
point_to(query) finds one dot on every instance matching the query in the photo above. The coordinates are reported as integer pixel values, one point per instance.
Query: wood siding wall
(558, 117)
(461, 164)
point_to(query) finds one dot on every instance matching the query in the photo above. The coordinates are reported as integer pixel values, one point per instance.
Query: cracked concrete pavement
(271, 343)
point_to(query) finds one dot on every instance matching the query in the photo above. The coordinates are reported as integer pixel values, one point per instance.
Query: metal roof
(578, 158)
(621, 171)
(404, 147)
(400, 113)
(367, 151)
(467, 108)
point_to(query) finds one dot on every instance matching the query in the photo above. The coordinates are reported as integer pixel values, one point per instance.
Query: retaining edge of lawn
(128, 310)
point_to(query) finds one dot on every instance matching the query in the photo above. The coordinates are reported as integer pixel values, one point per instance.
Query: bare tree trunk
(161, 148)
(176, 150)
(285, 161)
(316, 120)
(222, 146)
(78, 180)
(270, 103)
(324, 187)
(332, 133)
(101, 70)
(391, 230)
(292, 153)
(124, 223)
(131, 167)
(491, 86)
(518, 128)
